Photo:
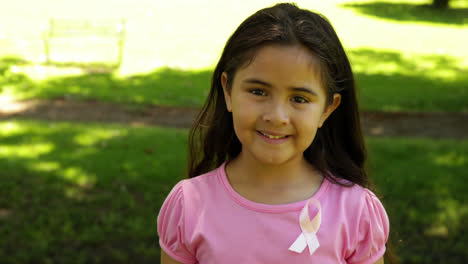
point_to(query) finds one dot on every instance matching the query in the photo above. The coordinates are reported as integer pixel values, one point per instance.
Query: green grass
(163, 86)
(84, 193)
(391, 81)
(90, 193)
(387, 81)
(424, 190)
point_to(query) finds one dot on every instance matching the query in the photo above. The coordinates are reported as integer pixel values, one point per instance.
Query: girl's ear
(330, 108)
(226, 91)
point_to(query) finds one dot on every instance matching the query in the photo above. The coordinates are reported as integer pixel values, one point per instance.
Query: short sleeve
(171, 223)
(372, 231)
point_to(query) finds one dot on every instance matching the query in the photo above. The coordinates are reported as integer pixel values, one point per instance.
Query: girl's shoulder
(197, 188)
(364, 219)
(178, 214)
(200, 183)
(353, 197)
(348, 190)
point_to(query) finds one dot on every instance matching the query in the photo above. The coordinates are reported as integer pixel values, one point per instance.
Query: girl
(276, 155)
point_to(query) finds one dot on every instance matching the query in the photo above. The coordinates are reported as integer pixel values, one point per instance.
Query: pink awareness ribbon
(308, 236)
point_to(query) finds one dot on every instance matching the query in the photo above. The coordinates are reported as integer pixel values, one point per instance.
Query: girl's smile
(273, 138)
(277, 103)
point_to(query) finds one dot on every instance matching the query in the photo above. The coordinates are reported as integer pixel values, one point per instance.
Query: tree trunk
(442, 4)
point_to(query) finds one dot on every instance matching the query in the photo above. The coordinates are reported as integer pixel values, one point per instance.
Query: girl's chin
(272, 160)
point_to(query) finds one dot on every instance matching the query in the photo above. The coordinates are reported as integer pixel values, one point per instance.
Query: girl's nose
(277, 114)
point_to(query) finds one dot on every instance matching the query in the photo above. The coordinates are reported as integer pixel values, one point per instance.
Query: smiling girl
(277, 157)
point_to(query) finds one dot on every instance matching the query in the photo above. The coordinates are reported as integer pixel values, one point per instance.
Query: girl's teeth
(272, 137)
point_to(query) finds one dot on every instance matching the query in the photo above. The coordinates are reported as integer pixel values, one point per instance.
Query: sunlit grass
(29, 151)
(390, 62)
(40, 72)
(10, 128)
(392, 81)
(78, 176)
(96, 136)
(45, 166)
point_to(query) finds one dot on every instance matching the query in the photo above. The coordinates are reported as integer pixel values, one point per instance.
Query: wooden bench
(73, 31)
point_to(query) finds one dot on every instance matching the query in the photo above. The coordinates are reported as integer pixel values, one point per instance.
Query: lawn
(91, 192)
(424, 189)
(84, 193)
(403, 59)
(164, 86)
(393, 83)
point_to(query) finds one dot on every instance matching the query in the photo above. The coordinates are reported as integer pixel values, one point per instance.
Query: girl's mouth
(272, 136)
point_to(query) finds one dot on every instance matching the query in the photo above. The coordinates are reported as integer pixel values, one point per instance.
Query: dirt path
(401, 124)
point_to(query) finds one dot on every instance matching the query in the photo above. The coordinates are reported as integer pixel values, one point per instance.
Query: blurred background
(96, 98)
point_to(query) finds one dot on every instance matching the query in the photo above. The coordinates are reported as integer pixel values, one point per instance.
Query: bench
(86, 33)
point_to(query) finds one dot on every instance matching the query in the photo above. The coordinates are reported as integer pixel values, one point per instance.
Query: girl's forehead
(297, 53)
(287, 63)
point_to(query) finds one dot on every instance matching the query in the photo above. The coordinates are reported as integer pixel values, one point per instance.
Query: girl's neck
(246, 170)
(293, 181)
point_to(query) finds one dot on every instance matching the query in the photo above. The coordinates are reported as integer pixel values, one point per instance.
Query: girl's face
(278, 103)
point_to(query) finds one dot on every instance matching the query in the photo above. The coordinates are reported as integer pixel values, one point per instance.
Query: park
(91, 142)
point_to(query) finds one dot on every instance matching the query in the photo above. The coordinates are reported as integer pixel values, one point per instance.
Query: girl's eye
(300, 100)
(259, 92)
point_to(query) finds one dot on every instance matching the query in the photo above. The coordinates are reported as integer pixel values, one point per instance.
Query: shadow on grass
(390, 81)
(407, 12)
(424, 192)
(9, 78)
(164, 86)
(84, 193)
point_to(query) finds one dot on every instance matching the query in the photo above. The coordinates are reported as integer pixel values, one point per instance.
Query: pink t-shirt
(204, 220)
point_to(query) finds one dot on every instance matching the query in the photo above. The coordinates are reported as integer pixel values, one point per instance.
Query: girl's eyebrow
(257, 81)
(298, 89)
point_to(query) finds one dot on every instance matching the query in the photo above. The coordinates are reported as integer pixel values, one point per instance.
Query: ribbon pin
(309, 229)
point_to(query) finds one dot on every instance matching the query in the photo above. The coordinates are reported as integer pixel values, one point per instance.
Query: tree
(441, 4)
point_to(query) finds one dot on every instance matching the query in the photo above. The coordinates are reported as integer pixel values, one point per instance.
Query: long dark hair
(338, 148)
